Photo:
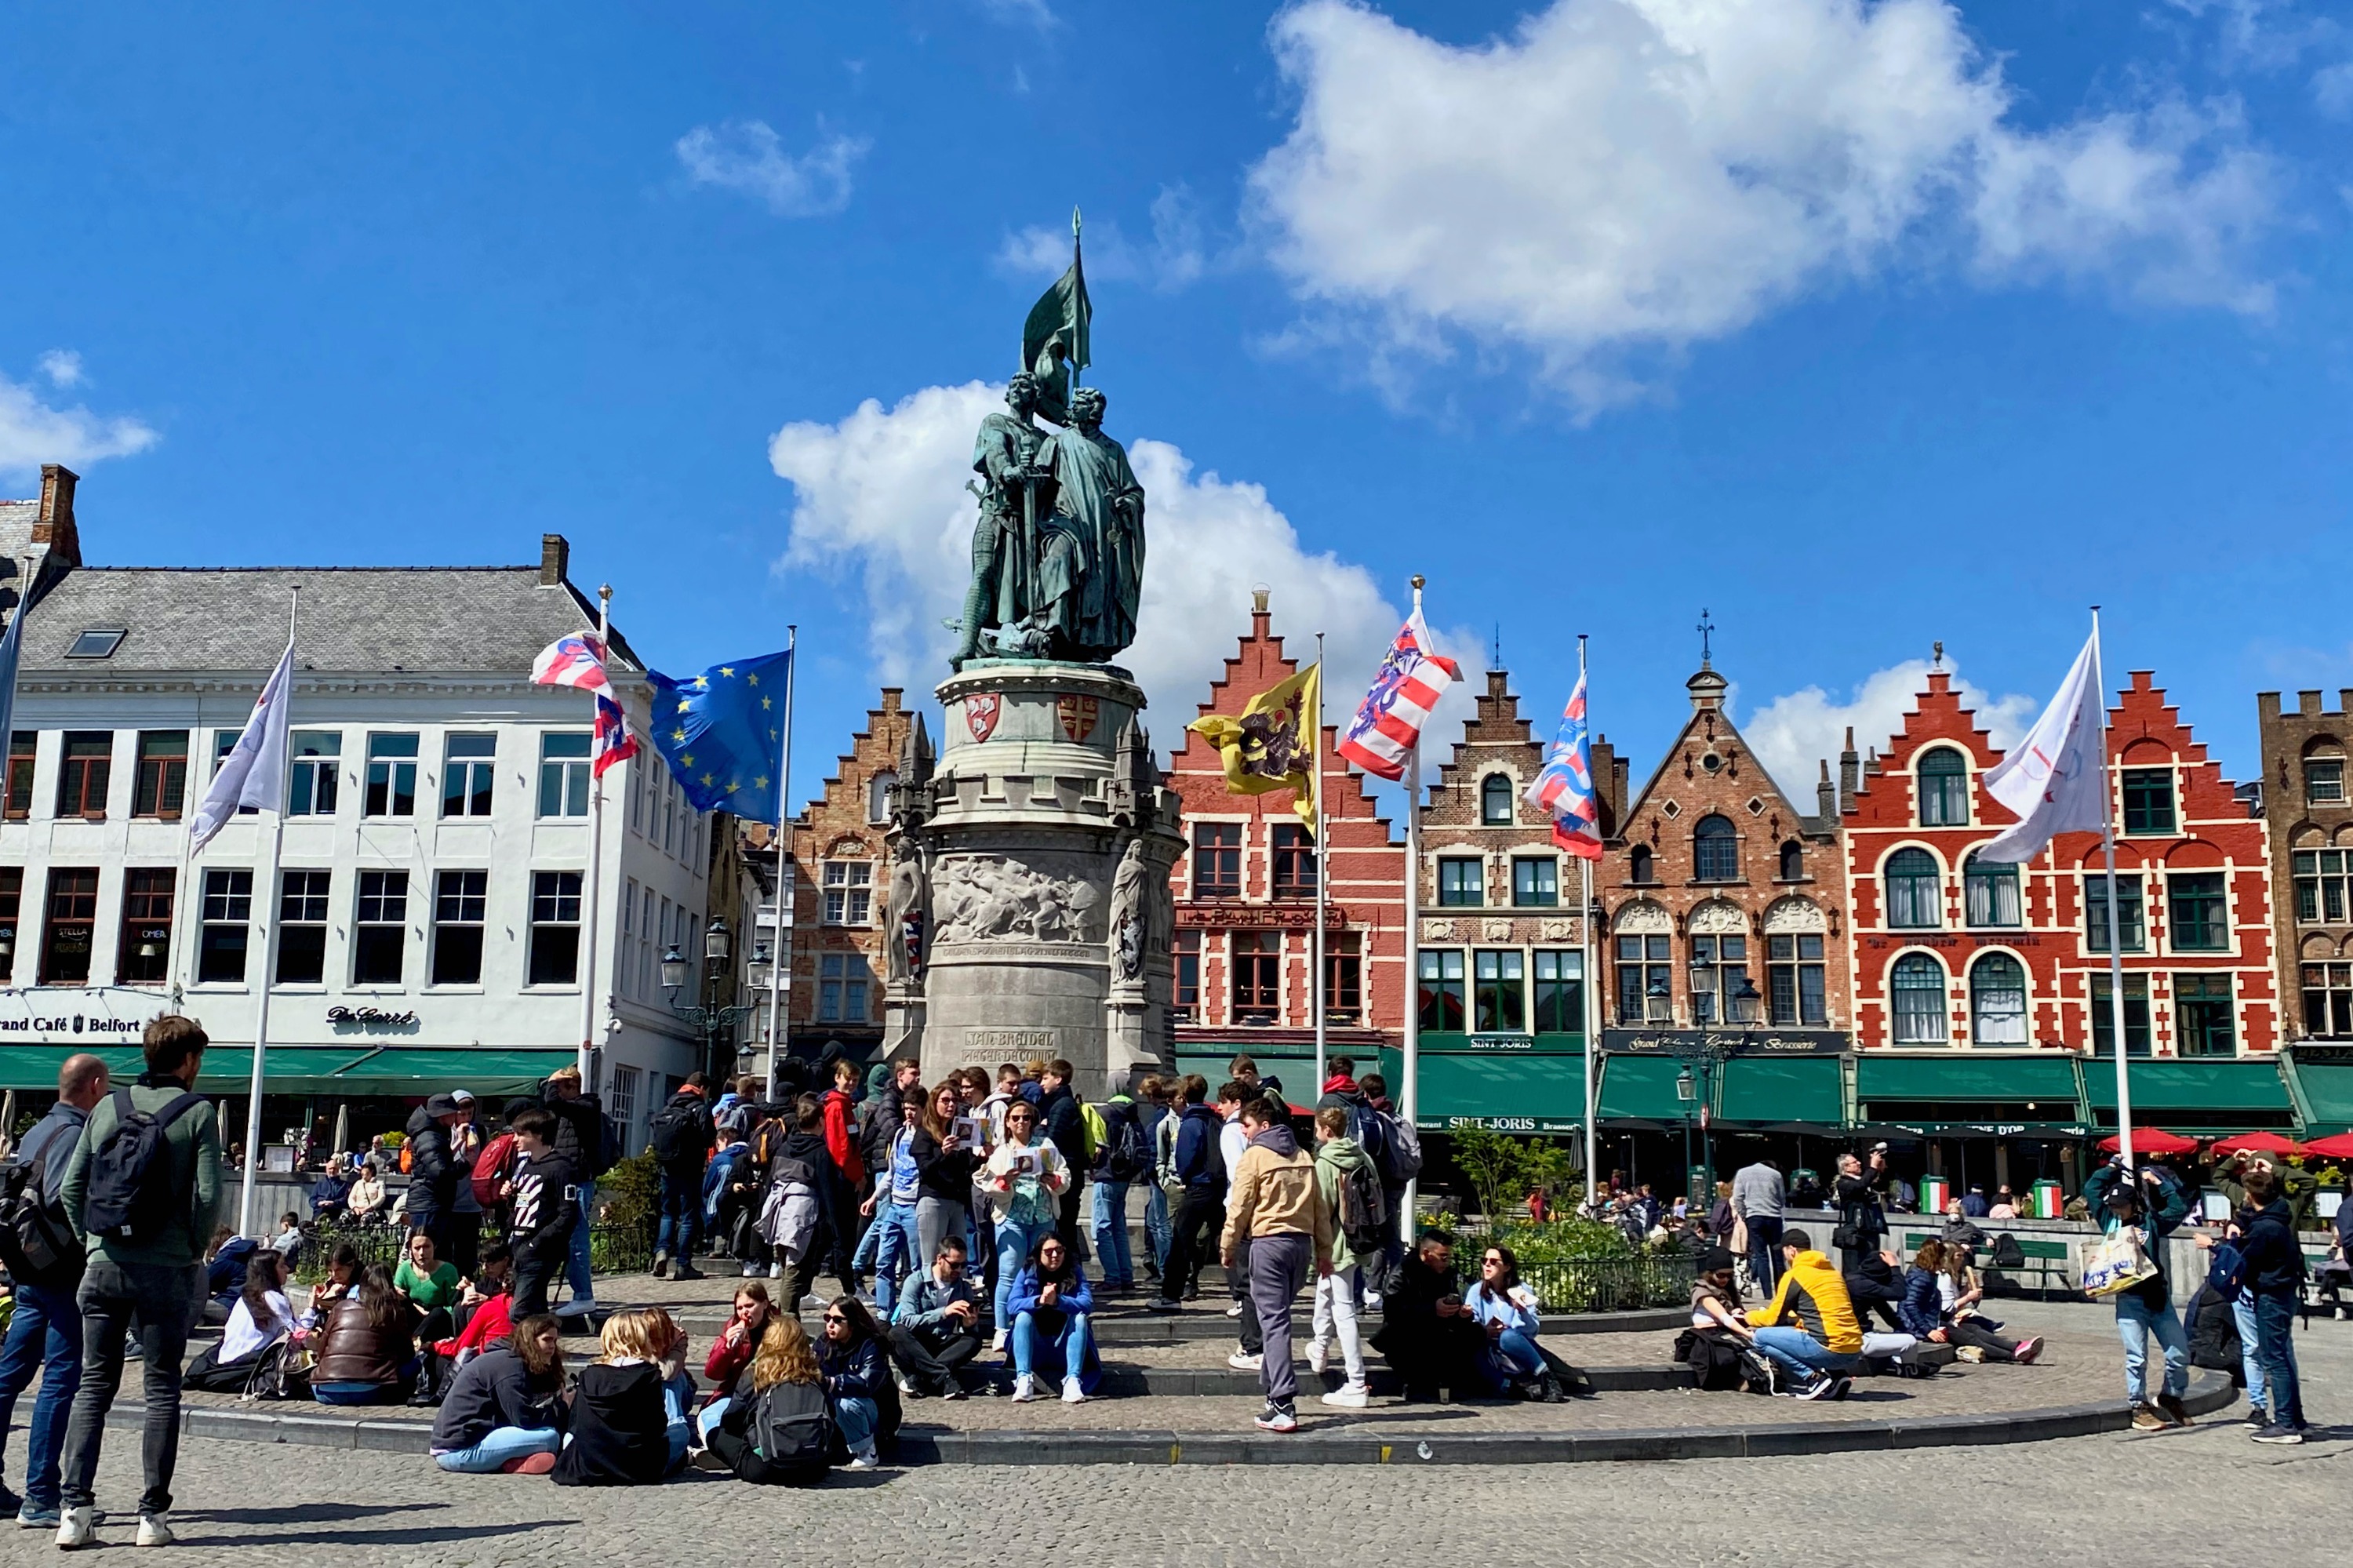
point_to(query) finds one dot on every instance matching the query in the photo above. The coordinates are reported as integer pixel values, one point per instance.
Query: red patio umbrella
(2337, 1147)
(2257, 1143)
(2154, 1140)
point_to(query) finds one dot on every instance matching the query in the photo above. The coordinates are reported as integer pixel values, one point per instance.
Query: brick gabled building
(1949, 952)
(1245, 897)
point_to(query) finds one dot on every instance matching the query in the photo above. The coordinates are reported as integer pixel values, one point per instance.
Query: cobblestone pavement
(2205, 1495)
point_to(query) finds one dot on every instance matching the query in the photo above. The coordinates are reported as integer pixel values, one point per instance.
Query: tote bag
(2118, 1264)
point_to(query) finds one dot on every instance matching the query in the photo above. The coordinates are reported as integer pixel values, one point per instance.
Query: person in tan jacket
(1275, 1204)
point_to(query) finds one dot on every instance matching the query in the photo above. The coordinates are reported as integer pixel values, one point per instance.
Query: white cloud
(879, 498)
(2332, 90)
(1626, 177)
(748, 156)
(1176, 256)
(33, 432)
(1792, 734)
(62, 367)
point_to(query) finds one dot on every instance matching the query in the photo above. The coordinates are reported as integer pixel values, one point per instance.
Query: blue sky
(1860, 325)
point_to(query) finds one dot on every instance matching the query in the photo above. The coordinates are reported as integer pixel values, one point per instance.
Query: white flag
(254, 772)
(2056, 780)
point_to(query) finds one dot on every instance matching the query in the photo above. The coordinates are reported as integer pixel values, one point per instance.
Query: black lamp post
(713, 1025)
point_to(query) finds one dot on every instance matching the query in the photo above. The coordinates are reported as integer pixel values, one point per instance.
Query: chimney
(1849, 768)
(1871, 764)
(555, 560)
(54, 527)
(1261, 620)
(2345, 699)
(1825, 793)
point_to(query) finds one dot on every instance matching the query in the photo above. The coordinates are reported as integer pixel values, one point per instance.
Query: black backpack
(678, 1132)
(1364, 1211)
(129, 1196)
(35, 1241)
(1129, 1158)
(790, 1426)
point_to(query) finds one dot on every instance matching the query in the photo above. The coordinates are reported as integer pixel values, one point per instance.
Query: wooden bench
(2047, 1262)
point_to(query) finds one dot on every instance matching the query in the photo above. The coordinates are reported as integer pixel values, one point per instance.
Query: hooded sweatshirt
(1334, 1159)
(1275, 1193)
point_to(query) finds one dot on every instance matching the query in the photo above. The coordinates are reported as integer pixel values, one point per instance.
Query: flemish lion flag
(1268, 746)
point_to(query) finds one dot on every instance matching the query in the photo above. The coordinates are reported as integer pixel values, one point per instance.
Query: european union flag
(722, 733)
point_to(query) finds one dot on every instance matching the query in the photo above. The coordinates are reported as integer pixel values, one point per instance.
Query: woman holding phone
(1023, 1179)
(1506, 1310)
(946, 1148)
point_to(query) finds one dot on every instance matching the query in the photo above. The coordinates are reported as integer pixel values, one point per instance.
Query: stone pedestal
(1039, 853)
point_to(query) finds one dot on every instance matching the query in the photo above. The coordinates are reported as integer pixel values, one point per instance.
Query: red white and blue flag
(1564, 786)
(575, 660)
(614, 742)
(1405, 692)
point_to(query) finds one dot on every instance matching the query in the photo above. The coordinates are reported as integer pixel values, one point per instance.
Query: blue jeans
(1156, 1231)
(2135, 1321)
(2243, 1313)
(681, 1216)
(1112, 1254)
(1063, 1356)
(500, 1447)
(576, 1269)
(46, 1332)
(2274, 1332)
(1799, 1353)
(678, 1398)
(707, 1420)
(890, 1250)
(1013, 1240)
(357, 1392)
(1512, 1354)
(857, 1417)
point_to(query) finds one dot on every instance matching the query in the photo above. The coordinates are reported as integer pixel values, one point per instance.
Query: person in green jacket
(157, 1281)
(2152, 1203)
(1336, 1155)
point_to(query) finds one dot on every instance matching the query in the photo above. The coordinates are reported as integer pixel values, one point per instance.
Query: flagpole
(1323, 875)
(269, 912)
(1410, 1098)
(2116, 932)
(587, 1062)
(1587, 962)
(780, 954)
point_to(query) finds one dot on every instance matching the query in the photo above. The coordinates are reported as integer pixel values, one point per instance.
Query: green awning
(1959, 1075)
(1762, 1089)
(2327, 1089)
(228, 1069)
(1642, 1088)
(2222, 1095)
(1510, 1092)
(428, 1069)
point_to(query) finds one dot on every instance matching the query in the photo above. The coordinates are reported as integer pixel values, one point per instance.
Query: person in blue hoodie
(2153, 1202)
(2271, 1276)
(1051, 1307)
(1200, 1168)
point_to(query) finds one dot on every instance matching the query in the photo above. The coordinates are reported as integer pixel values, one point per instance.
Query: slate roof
(358, 619)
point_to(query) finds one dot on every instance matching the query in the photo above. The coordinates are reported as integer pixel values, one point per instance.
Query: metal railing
(1599, 1283)
(612, 1248)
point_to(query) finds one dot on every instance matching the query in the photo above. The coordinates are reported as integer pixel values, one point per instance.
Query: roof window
(98, 642)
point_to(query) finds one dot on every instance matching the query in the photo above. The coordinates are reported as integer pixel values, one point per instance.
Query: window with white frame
(563, 773)
(318, 758)
(849, 892)
(1916, 1000)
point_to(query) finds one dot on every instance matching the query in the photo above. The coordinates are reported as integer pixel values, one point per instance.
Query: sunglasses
(835, 1318)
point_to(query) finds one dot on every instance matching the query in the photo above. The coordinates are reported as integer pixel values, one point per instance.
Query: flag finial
(1074, 222)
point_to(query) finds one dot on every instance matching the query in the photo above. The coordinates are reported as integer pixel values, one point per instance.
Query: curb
(1352, 1443)
(1128, 1327)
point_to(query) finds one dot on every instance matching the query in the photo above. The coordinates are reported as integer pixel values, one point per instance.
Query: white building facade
(437, 926)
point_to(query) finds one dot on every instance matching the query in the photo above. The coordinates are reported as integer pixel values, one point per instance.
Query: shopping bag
(2118, 1264)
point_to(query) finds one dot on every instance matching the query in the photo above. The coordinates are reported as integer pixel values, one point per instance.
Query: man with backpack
(1398, 1162)
(1347, 1184)
(682, 1136)
(1122, 1156)
(142, 1189)
(433, 1168)
(579, 1141)
(45, 1261)
(1199, 1171)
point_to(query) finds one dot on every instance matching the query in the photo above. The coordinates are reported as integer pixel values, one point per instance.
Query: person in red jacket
(733, 1347)
(493, 1317)
(841, 1144)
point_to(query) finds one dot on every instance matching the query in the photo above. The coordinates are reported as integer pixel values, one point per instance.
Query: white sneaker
(1025, 1388)
(998, 1344)
(1072, 1393)
(1349, 1396)
(77, 1527)
(1235, 1310)
(864, 1459)
(752, 1271)
(906, 1385)
(1242, 1361)
(776, 1271)
(154, 1529)
(576, 1305)
(1318, 1354)
(1372, 1300)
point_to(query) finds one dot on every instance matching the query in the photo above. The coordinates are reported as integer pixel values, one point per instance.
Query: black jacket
(2214, 1334)
(619, 1431)
(879, 1119)
(1858, 1201)
(432, 1173)
(579, 1131)
(2274, 1263)
(1065, 1128)
(546, 1205)
(706, 1133)
(939, 1172)
(494, 1389)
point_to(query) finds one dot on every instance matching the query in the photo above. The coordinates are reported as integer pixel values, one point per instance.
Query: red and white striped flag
(577, 659)
(1404, 695)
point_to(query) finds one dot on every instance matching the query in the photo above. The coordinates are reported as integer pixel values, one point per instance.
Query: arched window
(1996, 1000)
(1495, 800)
(877, 796)
(1638, 865)
(1944, 782)
(1793, 860)
(1716, 850)
(1989, 889)
(1916, 991)
(1916, 892)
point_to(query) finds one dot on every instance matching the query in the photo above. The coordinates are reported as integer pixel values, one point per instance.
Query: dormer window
(98, 642)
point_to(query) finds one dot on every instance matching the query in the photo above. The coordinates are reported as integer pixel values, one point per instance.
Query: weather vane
(1706, 631)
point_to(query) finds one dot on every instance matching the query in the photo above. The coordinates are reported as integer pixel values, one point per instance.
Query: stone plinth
(1043, 842)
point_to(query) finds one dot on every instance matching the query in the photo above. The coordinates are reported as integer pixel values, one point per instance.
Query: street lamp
(713, 1025)
(1661, 1000)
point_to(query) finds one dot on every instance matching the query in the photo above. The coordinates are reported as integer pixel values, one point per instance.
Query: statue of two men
(1058, 552)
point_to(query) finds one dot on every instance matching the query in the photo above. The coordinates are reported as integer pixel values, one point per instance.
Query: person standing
(1199, 1171)
(1338, 1163)
(45, 1333)
(579, 1142)
(1275, 1204)
(145, 1232)
(1126, 1155)
(1065, 1127)
(2152, 1208)
(433, 1169)
(1233, 1142)
(1022, 1176)
(2271, 1282)
(1152, 1111)
(546, 1204)
(683, 1138)
(1759, 1199)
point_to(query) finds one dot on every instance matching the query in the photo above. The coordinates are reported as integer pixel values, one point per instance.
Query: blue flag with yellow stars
(723, 734)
